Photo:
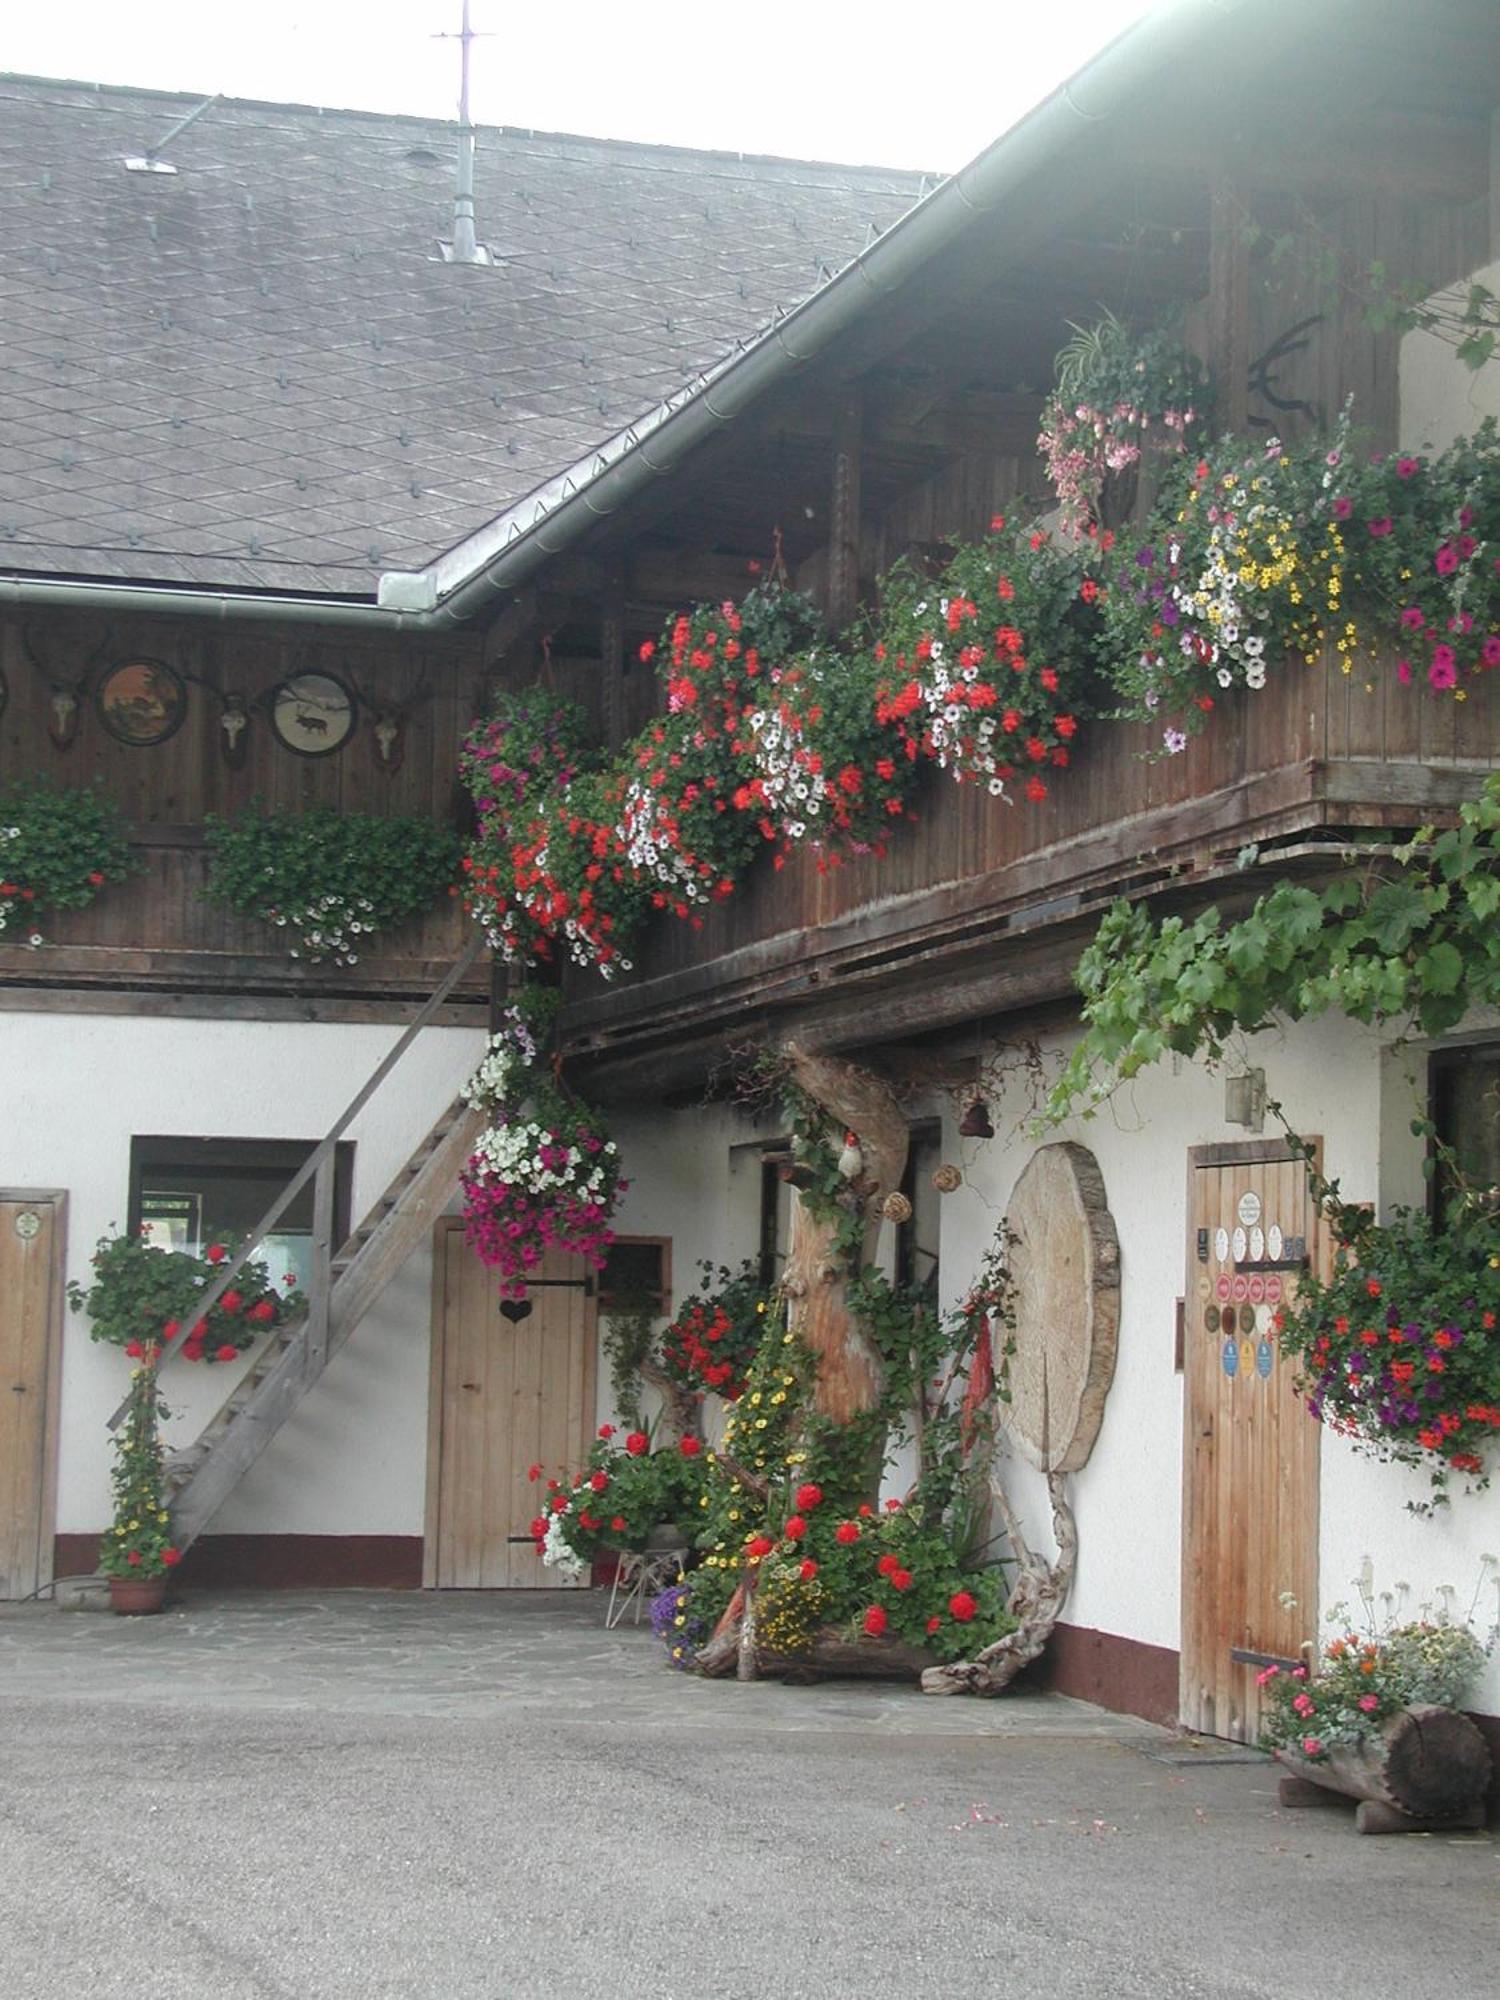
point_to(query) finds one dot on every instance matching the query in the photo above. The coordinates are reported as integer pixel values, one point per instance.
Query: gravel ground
(490, 1796)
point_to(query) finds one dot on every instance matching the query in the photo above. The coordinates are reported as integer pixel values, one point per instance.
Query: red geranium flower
(808, 1570)
(962, 1606)
(637, 1444)
(808, 1497)
(171, 1557)
(758, 1547)
(875, 1621)
(599, 1480)
(216, 1253)
(226, 1352)
(606, 1431)
(690, 1446)
(795, 1528)
(846, 1532)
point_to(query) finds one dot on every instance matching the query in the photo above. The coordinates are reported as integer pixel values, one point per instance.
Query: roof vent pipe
(465, 247)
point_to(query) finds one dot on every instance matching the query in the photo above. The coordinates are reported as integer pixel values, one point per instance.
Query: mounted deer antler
(65, 692)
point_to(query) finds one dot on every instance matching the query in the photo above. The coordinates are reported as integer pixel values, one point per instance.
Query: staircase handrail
(315, 1160)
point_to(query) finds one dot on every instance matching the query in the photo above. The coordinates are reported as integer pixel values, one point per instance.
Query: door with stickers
(1250, 1457)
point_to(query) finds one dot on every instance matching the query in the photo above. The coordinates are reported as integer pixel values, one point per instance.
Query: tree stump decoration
(1425, 1767)
(818, 1266)
(1065, 1268)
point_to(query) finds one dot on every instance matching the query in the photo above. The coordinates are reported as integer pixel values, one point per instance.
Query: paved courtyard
(290, 1797)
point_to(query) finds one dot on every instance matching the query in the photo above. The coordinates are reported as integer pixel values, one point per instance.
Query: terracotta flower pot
(137, 1596)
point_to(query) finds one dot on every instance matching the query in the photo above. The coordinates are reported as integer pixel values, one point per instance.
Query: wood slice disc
(1065, 1261)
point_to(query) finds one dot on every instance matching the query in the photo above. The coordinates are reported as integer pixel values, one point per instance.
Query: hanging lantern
(975, 1123)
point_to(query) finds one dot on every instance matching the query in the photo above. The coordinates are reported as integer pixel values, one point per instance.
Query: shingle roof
(257, 372)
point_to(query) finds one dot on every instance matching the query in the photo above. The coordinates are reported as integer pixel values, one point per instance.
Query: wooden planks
(32, 1250)
(506, 1394)
(1250, 1449)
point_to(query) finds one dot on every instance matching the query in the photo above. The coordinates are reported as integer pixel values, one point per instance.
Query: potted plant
(140, 1296)
(1376, 1718)
(137, 1553)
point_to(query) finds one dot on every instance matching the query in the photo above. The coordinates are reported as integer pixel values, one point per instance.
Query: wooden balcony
(982, 907)
(158, 934)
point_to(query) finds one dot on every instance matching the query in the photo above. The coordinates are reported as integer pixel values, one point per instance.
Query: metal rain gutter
(163, 599)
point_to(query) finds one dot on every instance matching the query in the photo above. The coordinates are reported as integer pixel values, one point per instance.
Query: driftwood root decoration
(1036, 1602)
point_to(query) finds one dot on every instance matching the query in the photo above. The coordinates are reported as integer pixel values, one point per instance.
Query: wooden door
(506, 1394)
(1250, 1463)
(32, 1247)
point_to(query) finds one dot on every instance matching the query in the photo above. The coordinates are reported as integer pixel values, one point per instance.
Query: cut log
(1426, 1763)
(829, 1657)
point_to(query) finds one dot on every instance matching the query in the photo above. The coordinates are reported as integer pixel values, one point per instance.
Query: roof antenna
(151, 161)
(465, 247)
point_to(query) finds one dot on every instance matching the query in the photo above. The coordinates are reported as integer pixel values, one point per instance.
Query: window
(188, 1193)
(1466, 1111)
(638, 1273)
(916, 1260)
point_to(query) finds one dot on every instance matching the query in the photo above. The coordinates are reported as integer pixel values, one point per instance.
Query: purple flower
(1169, 613)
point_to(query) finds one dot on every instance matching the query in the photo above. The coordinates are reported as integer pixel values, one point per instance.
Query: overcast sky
(858, 80)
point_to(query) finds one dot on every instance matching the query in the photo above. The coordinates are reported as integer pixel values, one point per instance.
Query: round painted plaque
(313, 714)
(1065, 1259)
(141, 702)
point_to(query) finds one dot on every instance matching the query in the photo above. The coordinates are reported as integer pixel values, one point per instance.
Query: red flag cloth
(981, 1382)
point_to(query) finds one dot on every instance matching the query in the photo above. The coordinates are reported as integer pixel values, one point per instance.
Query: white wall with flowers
(1336, 1081)
(76, 1088)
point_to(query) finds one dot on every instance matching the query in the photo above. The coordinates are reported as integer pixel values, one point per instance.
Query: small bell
(851, 1160)
(975, 1123)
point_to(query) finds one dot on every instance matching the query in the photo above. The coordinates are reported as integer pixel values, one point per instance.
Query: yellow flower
(133, 1526)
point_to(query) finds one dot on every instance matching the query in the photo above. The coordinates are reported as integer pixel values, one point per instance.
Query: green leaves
(1415, 942)
(332, 880)
(58, 849)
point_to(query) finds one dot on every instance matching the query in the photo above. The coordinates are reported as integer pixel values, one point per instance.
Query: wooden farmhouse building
(290, 483)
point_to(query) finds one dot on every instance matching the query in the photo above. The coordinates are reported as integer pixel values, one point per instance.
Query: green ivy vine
(1411, 937)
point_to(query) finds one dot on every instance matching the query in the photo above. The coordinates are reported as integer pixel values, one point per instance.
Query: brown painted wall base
(1123, 1674)
(277, 1562)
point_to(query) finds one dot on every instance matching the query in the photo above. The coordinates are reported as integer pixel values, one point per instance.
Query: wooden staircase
(342, 1288)
(205, 1473)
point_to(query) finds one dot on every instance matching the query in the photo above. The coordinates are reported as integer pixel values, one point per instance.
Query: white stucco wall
(1441, 399)
(73, 1091)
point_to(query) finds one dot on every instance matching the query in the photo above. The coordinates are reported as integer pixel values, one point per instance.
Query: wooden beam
(1229, 305)
(844, 511)
(612, 653)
